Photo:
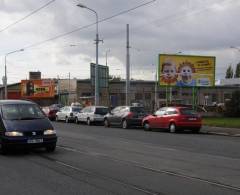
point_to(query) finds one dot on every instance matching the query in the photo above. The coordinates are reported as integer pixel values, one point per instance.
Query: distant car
(67, 113)
(51, 111)
(173, 119)
(125, 116)
(92, 114)
(23, 124)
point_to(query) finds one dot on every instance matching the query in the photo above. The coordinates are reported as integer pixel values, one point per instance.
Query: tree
(237, 71)
(229, 72)
(233, 105)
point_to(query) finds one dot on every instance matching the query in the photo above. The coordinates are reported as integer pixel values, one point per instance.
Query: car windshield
(21, 112)
(137, 109)
(187, 111)
(76, 109)
(101, 111)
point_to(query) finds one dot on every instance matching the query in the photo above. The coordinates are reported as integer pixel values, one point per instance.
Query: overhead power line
(27, 16)
(89, 25)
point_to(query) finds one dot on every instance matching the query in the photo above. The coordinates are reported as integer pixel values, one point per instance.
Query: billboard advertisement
(44, 88)
(186, 70)
(103, 75)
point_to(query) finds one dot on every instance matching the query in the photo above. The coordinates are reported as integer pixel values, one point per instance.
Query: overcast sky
(196, 27)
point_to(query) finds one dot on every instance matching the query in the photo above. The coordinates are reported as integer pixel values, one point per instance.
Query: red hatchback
(173, 119)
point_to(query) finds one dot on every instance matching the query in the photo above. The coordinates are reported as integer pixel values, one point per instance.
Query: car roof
(177, 107)
(5, 102)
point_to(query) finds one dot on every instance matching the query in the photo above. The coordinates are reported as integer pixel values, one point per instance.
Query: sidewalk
(221, 131)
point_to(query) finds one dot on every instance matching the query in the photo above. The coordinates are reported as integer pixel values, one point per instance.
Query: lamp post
(96, 66)
(5, 67)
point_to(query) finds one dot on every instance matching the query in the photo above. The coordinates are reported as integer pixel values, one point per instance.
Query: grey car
(67, 113)
(92, 114)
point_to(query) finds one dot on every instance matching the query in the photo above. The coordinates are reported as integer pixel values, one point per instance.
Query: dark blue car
(23, 124)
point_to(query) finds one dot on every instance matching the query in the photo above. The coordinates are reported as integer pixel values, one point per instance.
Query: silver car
(92, 114)
(67, 113)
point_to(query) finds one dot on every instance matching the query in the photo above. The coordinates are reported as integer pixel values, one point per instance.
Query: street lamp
(5, 77)
(96, 66)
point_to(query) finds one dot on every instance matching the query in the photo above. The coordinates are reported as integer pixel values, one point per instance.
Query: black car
(23, 124)
(125, 116)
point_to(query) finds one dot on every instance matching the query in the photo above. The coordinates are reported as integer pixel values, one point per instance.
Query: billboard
(103, 75)
(44, 88)
(186, 70)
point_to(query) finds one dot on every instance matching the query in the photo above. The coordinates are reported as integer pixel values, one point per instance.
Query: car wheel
(125, 124)
(66, 120)
(76, 120)
(88, 122)
(146, 126)
(51, 148)
(106, 123)
(172, 128)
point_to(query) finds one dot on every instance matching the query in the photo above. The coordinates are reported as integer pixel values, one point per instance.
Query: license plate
(34, 141)
(192, 119)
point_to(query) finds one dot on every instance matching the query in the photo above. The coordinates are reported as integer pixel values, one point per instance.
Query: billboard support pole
(194, 97)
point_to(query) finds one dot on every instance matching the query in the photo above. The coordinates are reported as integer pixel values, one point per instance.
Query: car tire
(125, 124)
(146, 126)
(88, 122)
(76, 120)
(172, 128)
(51, 148)
(66, 120)
(106, 123)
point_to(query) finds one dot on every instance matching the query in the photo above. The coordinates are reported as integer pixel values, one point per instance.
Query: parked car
(51, 111)
(67, 113)
(23, 124)
(92, 114)
(173, 119)
(125, 116)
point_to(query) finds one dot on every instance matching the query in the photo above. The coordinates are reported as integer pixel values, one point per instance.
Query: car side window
(171, 111)
(92, 109)
(85, 110)
(160, 112)
(115, 110)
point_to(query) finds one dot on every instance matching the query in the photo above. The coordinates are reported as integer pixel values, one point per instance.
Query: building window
(86, 94)
(138, 96)
(162, 95)
(147, 96)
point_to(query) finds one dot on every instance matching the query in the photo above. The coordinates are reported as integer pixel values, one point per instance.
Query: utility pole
(69, 88)
(127, 69)
(156, 85)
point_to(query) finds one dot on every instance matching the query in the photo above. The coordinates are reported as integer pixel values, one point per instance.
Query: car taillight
(130, 115)
(51, 112)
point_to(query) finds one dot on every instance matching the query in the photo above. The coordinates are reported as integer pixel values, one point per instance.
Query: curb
(233, 132)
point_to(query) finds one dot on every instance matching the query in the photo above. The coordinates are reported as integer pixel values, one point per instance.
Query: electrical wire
(27, 16)
(89, 25)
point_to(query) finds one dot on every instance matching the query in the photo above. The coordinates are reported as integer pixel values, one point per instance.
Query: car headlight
(13, 133)
(49, 132)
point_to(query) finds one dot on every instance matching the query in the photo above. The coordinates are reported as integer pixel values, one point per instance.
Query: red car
(50, 112)
(173, 119)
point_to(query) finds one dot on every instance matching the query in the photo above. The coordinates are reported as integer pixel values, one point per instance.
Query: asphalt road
(98, 160)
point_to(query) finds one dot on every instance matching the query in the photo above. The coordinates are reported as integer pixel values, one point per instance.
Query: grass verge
(222, 122)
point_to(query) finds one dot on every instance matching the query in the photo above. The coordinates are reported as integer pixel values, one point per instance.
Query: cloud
(199, 27)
